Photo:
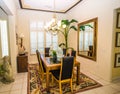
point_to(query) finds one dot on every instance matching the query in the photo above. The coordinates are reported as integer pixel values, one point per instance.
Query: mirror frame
(95, 20)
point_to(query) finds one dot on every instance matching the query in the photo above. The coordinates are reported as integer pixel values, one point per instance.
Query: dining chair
(73, 53)
(90, 52)
(42, 69)
(64, 51)
(64, 74)
(47, 51)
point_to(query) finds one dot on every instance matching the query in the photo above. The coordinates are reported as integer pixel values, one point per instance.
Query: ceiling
(58, 6)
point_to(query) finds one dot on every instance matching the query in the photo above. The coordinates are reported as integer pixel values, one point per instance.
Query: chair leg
(60, 88)
(52, 80)
(71, 85)
(42, 76)
(74, 73)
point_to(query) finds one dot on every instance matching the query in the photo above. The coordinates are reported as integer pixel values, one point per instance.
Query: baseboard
(116, 78)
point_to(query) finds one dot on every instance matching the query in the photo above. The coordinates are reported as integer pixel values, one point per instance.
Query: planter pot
(54, 58)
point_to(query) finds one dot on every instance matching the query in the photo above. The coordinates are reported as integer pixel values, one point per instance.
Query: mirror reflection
(87, 39)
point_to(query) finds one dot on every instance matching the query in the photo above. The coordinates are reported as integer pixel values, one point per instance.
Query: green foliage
(66, 26)
(82, 27)
(1, 70)
(54, 53)
(61, 44)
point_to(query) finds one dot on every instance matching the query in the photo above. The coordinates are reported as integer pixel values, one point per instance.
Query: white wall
(24, 18)
(89, 9)
(9, 8)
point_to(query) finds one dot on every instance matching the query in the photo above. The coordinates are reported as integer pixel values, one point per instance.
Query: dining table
(50, 65)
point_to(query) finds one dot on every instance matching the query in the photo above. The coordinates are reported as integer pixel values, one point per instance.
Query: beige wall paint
(24, 18)
(9, 8)
(89, 9)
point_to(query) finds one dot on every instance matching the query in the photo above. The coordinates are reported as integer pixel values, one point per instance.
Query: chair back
(67, 67)
(73, 53)
(64, 51)
(41, 65)
(47, 51)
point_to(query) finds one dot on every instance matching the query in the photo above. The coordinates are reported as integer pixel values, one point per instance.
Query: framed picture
(117, 60)
(117, 39)
(118, 20)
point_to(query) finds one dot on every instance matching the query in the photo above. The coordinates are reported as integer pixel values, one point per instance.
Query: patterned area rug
(37, 86)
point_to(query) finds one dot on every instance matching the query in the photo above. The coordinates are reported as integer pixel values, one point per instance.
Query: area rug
(38, 86)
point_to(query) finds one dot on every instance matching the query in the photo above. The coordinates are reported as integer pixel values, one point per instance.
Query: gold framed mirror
(87, 39)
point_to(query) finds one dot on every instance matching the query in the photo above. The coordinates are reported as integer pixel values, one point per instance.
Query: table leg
(47, 80)
(78, 74)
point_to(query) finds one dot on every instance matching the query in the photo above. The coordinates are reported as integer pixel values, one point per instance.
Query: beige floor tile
(118, 92)
(24, 92)
(115, 86)
(19, 76)
(24, 87)
(105, 90)
(5, 92)
(16, 92)
(25, 79)
(87, 92)
(6, 87)
(17, 86)
(18, 81)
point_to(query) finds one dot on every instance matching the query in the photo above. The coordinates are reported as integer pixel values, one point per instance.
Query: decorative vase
(54, 58)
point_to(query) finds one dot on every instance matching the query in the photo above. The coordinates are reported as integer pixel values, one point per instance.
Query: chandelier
(53, 25)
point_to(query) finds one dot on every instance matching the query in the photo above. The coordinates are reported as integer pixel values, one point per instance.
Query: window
(39, 38)
(51, 40)
(4, 38)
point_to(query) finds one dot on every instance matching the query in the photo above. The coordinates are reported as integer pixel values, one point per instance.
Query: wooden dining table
(49, 65)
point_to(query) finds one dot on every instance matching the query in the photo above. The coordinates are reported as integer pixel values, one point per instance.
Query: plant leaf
(66, 22)
(73, 27)
(73, 20)
(82, 28)
(89, 25)
(61, 44)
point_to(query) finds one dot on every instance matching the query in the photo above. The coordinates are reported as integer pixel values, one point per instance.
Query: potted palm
(65, 27)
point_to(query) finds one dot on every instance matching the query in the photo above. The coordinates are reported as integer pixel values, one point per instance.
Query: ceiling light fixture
(53, 26)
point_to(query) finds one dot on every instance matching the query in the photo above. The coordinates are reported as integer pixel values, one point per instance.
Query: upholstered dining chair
(64, 51)
(42, 69)
(64, 74)
(73, 53)
(47, 51)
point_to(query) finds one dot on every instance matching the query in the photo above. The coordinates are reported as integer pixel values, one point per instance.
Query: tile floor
(19, 86)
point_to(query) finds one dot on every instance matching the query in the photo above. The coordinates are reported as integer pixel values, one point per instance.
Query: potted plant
(54, 54)
(1, 70)
(65, 27)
